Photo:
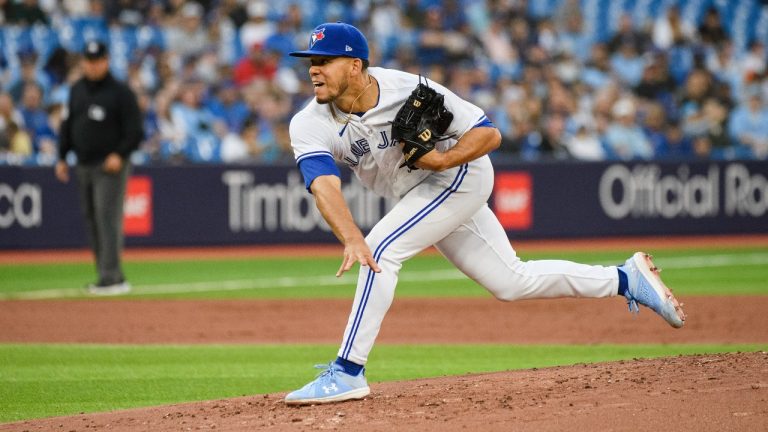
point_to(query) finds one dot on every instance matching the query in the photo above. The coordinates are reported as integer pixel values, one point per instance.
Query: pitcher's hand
(357, 251)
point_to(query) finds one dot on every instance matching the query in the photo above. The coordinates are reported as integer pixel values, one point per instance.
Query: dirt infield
(738, 319)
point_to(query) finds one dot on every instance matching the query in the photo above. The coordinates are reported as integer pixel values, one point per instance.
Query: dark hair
(250, 121)
(366, 63)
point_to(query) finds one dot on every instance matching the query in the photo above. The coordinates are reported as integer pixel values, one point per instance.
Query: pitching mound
(687, 393)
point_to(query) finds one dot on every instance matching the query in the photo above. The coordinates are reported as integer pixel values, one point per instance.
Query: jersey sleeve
(313, 167)
(312, 144)
(484, 122)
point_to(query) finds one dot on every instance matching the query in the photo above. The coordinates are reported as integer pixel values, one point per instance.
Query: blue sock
(348, 366)
(623, 281)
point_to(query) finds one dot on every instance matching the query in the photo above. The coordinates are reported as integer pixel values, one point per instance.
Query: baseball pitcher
(408, 137)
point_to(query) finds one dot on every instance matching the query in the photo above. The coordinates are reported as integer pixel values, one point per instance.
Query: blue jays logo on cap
(335, 40)
(317, 35)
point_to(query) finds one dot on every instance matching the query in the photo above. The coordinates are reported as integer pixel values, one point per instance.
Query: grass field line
(688, 262)
(235, 285)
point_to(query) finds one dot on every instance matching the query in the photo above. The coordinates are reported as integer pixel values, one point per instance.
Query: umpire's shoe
(332, 385)
(115, 289)
(645, 287)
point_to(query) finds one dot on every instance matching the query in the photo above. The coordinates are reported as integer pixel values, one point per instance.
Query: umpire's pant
(101, 200)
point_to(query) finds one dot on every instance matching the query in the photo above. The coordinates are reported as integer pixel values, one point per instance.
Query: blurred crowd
(561, 79)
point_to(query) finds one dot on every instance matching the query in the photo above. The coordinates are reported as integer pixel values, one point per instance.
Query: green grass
(726, 271)
(43, 380)
(50, 380)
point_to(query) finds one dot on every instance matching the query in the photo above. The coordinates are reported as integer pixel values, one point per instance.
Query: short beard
(342, 88)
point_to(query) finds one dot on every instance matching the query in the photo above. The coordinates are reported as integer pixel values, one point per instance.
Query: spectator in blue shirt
(229, 107)
(27, 73)
(624, 137)
(749, 125)
(573, 39)
(654, 125)
(200, 129)
(36, 118)
(282, 41)
(149, 149)
(431, 46)
(597, 72)
(627, 65)
(677, 146)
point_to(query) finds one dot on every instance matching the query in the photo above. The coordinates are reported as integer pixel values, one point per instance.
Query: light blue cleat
(331, 385)
(646, 288)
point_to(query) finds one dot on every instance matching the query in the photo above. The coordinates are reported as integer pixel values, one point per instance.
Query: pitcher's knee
(506, 295)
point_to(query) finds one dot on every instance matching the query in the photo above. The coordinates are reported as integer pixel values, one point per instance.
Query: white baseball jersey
(364, 144)
(446, 209)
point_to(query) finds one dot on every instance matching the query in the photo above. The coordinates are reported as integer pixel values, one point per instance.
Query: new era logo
(347, 48)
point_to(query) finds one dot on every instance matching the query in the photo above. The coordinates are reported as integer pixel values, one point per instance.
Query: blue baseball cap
(337, 40)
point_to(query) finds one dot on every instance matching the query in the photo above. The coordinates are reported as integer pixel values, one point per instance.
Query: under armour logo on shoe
(330, 388)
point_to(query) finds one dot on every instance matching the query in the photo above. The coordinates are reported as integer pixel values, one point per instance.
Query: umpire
(102, 127)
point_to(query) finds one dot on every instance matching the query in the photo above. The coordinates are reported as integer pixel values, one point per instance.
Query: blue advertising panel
(237, 205)
(179, 205)
(602, 199)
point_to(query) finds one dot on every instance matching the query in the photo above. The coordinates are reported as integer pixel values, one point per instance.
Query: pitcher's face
(330, 77)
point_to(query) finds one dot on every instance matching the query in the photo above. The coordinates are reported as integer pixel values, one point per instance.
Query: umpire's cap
(95, 50)
(337, 40)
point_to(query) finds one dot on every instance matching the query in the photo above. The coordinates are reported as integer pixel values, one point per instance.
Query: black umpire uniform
(103, 126)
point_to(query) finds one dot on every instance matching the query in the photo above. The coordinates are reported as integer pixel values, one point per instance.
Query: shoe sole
(644, 263)
(109, 291)
(350, 395)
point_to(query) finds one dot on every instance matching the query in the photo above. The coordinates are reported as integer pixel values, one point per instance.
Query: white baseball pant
(449, 210)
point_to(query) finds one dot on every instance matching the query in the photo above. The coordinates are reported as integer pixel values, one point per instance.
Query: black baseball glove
(420, 123)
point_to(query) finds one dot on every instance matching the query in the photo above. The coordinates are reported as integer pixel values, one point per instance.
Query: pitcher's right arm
(330, 201)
